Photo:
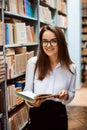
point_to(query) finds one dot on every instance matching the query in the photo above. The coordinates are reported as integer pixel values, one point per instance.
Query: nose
(48, 43)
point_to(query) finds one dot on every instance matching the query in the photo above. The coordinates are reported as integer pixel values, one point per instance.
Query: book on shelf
(20, 35)
(2, 67)
(1, 102)
(21, 7)
(1, 33)
(32, 97)
(18, 120)
(29, 34)
(28, 8)
(1, 55)
(13, 6)
(32, 32)
(4, 7)
(9, 33)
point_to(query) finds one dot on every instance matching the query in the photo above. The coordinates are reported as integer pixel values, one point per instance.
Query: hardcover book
(32, 97)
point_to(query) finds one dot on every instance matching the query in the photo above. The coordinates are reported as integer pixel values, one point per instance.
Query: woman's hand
(63, 94)
(37, 103)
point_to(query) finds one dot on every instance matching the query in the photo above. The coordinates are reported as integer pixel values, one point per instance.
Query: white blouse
(60, 78)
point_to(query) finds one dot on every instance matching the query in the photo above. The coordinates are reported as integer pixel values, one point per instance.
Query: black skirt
(50, 115)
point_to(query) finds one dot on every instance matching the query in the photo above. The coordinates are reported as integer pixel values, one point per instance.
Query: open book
(32, 97)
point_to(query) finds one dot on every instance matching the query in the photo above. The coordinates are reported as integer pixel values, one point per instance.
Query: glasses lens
(44, 43)
(53, 42)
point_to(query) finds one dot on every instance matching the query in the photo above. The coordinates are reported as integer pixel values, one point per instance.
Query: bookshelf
(21, 21)
(84, 41)
(1, 116)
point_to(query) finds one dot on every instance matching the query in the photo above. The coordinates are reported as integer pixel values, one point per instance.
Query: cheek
(44, 49)
(57, 49)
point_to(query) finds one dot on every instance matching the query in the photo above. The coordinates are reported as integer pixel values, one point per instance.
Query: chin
(50, 55)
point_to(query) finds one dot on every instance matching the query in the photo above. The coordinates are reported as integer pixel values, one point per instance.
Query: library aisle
(77, 110)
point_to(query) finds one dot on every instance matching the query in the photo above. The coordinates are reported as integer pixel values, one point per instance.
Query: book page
(26, 95)
(31, 97)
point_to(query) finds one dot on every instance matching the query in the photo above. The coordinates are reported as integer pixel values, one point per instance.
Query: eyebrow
(50, 39)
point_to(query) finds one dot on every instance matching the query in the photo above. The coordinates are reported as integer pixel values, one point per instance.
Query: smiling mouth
(50, 49)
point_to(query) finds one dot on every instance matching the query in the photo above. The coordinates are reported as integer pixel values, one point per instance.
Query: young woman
(51, 72)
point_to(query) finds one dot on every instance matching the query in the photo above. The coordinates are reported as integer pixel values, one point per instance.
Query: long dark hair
(43, 64)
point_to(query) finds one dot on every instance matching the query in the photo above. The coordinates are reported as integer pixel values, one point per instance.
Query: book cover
(32, 97)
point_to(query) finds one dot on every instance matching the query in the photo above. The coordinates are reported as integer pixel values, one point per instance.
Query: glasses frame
(53, 42)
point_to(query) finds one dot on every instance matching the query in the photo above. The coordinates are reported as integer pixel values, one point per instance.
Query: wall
(74, 35)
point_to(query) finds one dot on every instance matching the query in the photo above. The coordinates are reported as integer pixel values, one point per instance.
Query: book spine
(27, 8)
(7, 33)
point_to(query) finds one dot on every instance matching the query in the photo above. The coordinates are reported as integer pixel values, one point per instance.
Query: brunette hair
(43, 64)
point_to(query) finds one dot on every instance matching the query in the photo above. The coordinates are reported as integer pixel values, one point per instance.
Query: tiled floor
(77, 110)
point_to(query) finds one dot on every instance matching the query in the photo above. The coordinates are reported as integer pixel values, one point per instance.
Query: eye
(44, 40)
(54, 40)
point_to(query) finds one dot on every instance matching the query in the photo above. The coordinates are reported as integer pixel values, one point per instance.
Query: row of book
(16, 60)
(12, 99)
(84, 21)
(84, 67)
(84, 44)
(84, 60)
(84, 51)
(62, 6)
(84, 9)
(2, 67)
(84, 37)
(84, 75)
(84, 29)
(52, 3)
(17, 33)
(84, 1)
(45, 14)
(62, 21)
(14, 86)
(22, 7)
(20, 118)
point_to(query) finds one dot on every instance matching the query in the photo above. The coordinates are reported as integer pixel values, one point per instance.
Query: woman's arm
(71, 89)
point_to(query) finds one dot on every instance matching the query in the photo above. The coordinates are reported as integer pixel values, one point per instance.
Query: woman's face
(49, 43)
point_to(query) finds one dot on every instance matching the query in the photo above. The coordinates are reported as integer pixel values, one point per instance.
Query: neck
(53, 61)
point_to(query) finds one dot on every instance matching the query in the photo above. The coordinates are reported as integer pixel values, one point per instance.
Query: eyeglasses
(53, 42)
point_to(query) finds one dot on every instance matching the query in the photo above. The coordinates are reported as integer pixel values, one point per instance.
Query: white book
(32, 97)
